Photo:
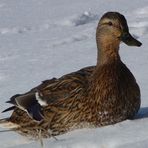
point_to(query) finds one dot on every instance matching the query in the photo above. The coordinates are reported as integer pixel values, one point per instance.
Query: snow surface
(41, 39)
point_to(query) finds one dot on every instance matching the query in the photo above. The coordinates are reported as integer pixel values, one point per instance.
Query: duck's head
(113, 29)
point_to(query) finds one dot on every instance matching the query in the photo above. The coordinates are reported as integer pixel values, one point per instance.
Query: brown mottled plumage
(94, 96)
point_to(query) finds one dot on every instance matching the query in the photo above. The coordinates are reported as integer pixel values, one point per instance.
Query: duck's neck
(105, 74)
(108, 50)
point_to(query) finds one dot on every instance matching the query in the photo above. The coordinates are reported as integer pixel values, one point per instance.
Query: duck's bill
(128, 39)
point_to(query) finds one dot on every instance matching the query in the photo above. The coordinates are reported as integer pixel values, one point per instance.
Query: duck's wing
(49, 92)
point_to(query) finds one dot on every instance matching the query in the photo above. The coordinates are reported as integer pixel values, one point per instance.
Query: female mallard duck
(94, 96)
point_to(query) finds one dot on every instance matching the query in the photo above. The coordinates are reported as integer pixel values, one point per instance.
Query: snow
(44, 39)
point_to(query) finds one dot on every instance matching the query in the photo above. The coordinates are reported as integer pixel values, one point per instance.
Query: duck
(91, 97)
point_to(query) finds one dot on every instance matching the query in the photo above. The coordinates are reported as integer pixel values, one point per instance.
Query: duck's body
(94, 96)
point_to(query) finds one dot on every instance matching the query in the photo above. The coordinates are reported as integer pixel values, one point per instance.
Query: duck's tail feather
(9, 109)
(6, 123)
(4, 120)
(7, 130)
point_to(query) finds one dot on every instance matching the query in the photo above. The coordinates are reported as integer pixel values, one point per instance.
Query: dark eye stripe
(110, 23)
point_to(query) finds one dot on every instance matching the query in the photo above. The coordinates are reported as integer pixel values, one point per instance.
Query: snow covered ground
(41, 39)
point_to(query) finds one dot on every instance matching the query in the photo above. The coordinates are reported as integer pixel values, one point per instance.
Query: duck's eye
(110, 23)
